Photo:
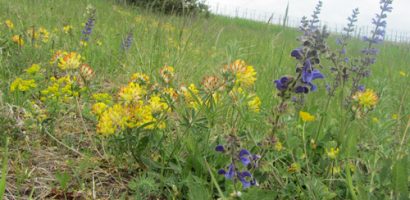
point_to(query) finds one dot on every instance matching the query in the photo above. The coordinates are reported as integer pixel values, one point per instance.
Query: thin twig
(61, 143)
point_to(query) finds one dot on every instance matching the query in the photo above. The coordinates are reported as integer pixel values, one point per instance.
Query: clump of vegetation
(173, 6)
(150, 107)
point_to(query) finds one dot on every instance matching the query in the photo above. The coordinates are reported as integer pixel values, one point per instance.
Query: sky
(334, 12)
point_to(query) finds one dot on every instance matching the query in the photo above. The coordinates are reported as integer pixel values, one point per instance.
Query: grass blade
(4, 171)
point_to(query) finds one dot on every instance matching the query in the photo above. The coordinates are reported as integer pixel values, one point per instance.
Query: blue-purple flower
(282, 84)
(220, 148)
(308, 75)
(297, 53)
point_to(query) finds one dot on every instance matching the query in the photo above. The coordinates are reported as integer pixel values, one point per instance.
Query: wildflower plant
(295, 87)
(361, 68)
(89, 25)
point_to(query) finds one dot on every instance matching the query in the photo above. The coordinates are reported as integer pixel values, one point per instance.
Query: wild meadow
(106, 100)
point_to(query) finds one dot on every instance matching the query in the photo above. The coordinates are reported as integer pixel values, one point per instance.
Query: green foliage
(4, 169)
(400, 178)
(63, 179)
(173, 6)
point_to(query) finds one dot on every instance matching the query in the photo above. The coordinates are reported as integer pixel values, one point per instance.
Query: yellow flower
(18, 40)
(112, 119)
(171, 93)
(33, 69)
(278, 146)
(191, 96)
(59, 89)
(22, 85)
(67, 29)
(167, 73)
(70, 60)
(86, 72)
(235, 67)
(140, 78)
(99, 43)
(403, 74)
(131, 93)
(211, 83)
(141, 115)
(157, 104)
(306, 117)
(99, 108)
(57, 55)
(367, 99)
(375, 120)
(105, 125)
(395, 116)
(254, 104)
(332, 153)
(247, 77)
(9, 24)
(44, 34)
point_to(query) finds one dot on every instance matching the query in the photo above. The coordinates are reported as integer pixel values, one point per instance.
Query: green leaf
(256, 193)
(4, 171)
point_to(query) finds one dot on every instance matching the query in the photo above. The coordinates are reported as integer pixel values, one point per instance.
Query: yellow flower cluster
(67, 61)
(18, 40)
(332, 152)
(39, 34)
(167, 74)
(191, 97)
(60, 89)
(22, 85)
(137, 106)
(33, 69)
(9, 24)
(366, 99)
(140, 78)
(67, 29)
(254, 104)
(132, 93)
(141, 103)
(245, 75)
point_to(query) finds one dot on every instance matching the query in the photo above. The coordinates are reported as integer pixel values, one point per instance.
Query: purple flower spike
(221, 172)
(361, 88)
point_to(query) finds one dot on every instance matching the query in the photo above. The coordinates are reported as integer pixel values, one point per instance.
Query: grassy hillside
(63, 156)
